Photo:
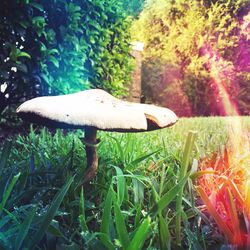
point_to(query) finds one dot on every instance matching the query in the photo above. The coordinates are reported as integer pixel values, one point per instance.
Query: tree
(133, 7)
(200, 40)
(62, 46)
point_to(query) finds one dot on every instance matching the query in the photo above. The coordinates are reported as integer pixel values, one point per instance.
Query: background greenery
(54, 47)
(183, 41)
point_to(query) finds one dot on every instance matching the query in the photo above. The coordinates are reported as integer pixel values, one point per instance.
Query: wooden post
(135, 86)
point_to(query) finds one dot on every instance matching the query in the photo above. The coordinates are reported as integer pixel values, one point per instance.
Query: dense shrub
(58, 46)
(196, 54)
(133, 7)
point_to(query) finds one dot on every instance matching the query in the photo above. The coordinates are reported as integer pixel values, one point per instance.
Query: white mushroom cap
(95, 108)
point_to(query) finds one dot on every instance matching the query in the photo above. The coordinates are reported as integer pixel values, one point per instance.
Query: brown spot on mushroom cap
(95, 108)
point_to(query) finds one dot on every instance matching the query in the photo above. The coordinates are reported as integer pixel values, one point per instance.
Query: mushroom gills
(152, 122)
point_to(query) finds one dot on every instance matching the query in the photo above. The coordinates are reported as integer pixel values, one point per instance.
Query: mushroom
(94, 110)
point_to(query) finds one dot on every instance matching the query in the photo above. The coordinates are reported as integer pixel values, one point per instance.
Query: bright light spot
(14, 69)
(3, 87)
(6, 59)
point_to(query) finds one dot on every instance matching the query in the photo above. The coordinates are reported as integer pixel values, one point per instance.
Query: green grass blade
(221, 224)
(104, 235)
(106, 241)
(50, 214)
(137, 215)
(4, 242)
(52, 229)
(187, 153)
(24, 228)
(119, 148)
(83, 223)
(168, 197)
(106, 213)
(11, 216)
(165, 238)
(199, 174)
(193, 240)
(82, 218)
(8, 192)
(140, 159)
(120, 225)
(183, 172)
(120, 185)
(138, 190)
(140, 236)
(5, 155)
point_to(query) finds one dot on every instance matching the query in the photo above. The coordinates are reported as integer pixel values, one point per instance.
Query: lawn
(143, 197)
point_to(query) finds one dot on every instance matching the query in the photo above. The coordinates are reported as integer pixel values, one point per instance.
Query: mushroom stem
(91, 153)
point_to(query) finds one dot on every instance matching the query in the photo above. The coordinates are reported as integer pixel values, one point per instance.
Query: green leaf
(193, 240)
(120, 185)
(53, 51)
(24, 228)
(106, 241)
(45, 78)
(50, 214)
(138, 189)
(8, 192)
(54, 61)
(168, 197)
(165, 237)
(120, 224)
(142, 158)
(82, 218)
(137, 214)
(183, 172)
(54, 231)
(187, 153)
(119, 148)
(23, 54)
(38, 19)
(13, 53)
(201, 173)
(37, 6)
(106, 212)
(140, 235)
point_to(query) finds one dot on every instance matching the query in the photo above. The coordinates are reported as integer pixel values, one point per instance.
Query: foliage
(193, 50)
(54, 47)
(133, 7)
(132, 202)
(225, 192)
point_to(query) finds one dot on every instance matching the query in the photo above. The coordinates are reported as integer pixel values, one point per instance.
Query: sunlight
(226, 191)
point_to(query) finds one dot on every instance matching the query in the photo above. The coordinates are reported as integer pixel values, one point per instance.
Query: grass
(143, 197)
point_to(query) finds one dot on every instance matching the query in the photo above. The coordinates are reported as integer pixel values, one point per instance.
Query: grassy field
(143, 197)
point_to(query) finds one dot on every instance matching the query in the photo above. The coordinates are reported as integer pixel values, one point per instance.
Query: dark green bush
(133, 7)
(58, 46)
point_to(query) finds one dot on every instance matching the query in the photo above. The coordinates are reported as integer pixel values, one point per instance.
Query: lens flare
(226, 190)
